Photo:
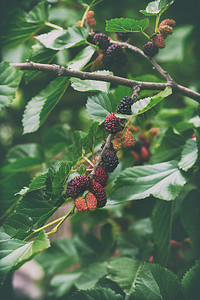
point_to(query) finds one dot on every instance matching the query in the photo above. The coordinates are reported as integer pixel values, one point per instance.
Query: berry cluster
(89, 202)
(123, 139)
(158, 39)
(90, 20)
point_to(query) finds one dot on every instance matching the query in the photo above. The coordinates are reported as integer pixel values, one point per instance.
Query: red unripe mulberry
(101, 176)
(80, 204)
(129, 139)
(159, 41)
(169, 22)
(91, 201)
(112, 123)
(100, 193)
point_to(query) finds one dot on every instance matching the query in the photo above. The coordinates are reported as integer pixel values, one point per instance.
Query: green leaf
(126, 25)
(100, 106)
(38, 182)
(39, 14)
(14, 253)
(170, 147)
(176, 45)
(62, 283)
(155, 283)
(17, 30)
(124, 271)
(89, 140)
(61, 39)
(60, 178)
(10, 78)
(40, 106)
(59, 257)
(90, 276)
(163, 181)
(162, 227)
(190, 282)
(39, 54)
(90, 3)
(189, 155)
(97, 294)
(81, 58)
(23, 157)
(157, 7)
(91, 85)
(9, 186)
(143, 105)
(190, 216)
(56, 139)
(79, 138)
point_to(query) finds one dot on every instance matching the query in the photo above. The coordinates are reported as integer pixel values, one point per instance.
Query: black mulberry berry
(110, 160)
(112, 123)
(78, 185)
(125, 106)
(123, 36)
(114, 57)
(102, 40)
(150, 49)
(101, 176)
(100, 193)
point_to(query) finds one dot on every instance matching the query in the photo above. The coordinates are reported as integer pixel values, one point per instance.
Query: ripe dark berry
(100, 194)
(123, 36)
(150, 49)
(114, 57)
(78, 185)
(110, 160)
(101, 176)
(112, 123)
(102, 40)
(125, 106)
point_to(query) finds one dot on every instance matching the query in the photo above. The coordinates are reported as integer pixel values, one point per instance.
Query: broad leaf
(170, 147)
(62, 283)
(39, 14)
(91, 85)
(81, 58)
(40, 106)
(14, 253)
(100, 106)
(10, 78)
(23, 157)
(59, 257)
(92, 136)
(157, 7)
(155, 282)
(190, 282)
(163, 181)
(126, 25)
(190, 216)
(189, 155)
(9, 186)
(143, 105)
(97, 294)
(61, 39)
(60, 178)
(17, 30)
(90, 276)
(162, 228)
(38, 182)
(176, 45)
(124, 271)
(39, 54)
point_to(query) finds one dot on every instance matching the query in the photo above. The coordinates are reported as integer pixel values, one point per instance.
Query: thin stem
(84, 16)
(157, 22)
(88, 160)
(145, 34)
(53, 25)
(54, 230)
(90, 44)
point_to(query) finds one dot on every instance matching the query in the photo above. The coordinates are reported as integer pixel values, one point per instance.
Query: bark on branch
(62, 71)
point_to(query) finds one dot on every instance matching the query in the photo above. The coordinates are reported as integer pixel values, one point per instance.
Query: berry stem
(84, 16)
(157, 22)
(90, 44)
(145, 34)
(53, 25)
(87, 159)
(62, 219)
